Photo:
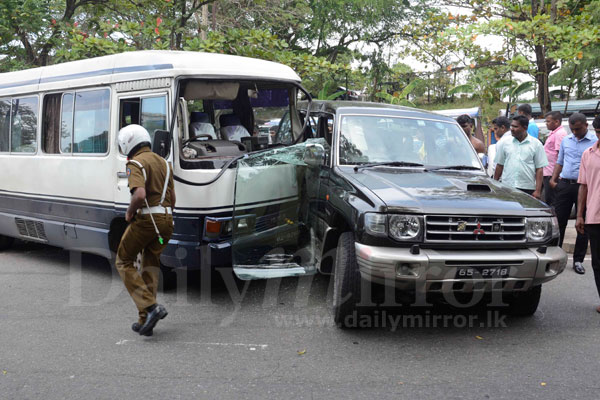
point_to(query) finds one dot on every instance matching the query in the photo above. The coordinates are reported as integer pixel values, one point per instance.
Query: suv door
(273, 226)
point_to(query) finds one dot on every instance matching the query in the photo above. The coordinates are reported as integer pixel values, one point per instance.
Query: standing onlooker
(532, 128)
(520, 159)
(566, 189)
(552, 147)
(500, 127)
(589, 201)
(467, 123)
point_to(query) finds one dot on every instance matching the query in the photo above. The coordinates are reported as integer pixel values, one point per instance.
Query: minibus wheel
(168, 277)
(6, 242)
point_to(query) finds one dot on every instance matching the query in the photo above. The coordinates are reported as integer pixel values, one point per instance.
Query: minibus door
(274, 218)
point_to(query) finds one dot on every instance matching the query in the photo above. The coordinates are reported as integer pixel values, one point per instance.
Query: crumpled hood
(416, 191)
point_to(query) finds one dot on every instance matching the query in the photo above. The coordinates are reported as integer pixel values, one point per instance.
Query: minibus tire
(168, 277)
(6, 242)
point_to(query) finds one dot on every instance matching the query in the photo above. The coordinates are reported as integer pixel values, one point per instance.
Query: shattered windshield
(383, 139)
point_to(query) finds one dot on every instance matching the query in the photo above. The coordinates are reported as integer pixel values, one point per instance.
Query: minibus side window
(66, 123)
(91, 122)
(4, 125)
(51, 123)
(24, 125)
(154, 114)
(149, 112)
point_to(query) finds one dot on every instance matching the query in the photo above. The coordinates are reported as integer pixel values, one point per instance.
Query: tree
(536, 37)
(30, 29)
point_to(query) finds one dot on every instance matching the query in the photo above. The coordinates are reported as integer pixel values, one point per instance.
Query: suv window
(369, 139)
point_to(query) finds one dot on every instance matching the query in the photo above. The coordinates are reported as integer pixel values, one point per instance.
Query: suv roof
(349, 107)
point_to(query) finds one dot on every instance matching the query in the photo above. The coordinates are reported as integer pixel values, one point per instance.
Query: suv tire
(6, 242)
(346, 282)
(525, 304)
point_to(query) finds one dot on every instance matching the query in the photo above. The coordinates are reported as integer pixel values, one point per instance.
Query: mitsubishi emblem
(478, 231)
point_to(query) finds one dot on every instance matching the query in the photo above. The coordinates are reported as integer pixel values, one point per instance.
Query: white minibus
(64, 180)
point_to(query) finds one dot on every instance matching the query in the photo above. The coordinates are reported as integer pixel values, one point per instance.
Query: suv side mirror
(161, 144)
(314, 155)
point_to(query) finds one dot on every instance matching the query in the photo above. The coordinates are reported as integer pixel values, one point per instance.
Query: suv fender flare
(330, 240)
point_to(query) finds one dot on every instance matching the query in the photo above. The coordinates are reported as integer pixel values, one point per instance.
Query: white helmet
(132, 135)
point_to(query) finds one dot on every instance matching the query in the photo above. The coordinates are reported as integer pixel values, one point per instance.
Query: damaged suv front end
(394, 196)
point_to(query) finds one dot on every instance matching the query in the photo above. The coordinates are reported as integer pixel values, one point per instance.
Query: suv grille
(457, 229)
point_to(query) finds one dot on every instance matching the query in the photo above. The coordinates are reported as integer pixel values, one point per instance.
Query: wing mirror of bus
(314, 155)
(161, 144)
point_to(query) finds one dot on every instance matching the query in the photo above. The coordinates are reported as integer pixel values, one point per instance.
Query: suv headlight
(405, 227)
(399, 227)
(541, 229)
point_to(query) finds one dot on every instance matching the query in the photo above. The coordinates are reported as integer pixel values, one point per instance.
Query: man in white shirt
(501, 130)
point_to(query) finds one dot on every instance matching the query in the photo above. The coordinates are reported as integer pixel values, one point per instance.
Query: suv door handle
(122, 174)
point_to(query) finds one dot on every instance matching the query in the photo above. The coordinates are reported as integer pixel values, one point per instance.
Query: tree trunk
(541, 78)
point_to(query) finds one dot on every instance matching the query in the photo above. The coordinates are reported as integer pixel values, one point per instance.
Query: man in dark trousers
(564, 181)
(588, 212)
(150, 217)
(552, 148)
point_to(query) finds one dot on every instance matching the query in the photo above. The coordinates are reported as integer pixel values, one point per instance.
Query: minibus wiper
(388, 163)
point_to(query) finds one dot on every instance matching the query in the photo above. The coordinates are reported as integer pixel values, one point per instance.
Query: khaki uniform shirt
(156, 170)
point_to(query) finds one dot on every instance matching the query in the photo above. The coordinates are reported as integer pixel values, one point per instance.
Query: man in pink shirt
(588, 211)
(551, 147)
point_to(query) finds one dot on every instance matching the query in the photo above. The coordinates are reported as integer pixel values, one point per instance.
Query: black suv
(390, 196)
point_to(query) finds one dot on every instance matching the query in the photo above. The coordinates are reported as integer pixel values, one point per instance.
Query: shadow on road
(291, 302)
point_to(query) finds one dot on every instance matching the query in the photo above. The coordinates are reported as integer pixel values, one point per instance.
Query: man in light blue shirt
(564, 181)
(532, 128)
(520, 159)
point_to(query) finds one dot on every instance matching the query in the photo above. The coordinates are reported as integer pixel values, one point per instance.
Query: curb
(570, 247)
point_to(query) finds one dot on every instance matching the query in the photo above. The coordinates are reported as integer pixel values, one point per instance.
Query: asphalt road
(65, 334)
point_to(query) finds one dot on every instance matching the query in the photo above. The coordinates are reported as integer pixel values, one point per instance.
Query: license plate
(487, 272)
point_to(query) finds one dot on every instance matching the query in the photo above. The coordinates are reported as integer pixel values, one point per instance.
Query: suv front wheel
(346, 282)
(525, 304)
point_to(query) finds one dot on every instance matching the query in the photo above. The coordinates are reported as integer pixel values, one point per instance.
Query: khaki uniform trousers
(140, 237)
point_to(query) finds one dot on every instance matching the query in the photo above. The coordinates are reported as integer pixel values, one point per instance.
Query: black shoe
(136, 328)
(156, 314)
(578, 268)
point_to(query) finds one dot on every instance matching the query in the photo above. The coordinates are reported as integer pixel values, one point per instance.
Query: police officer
(150, 218)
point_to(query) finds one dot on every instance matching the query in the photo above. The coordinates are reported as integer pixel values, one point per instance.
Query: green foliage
(400, 98)
(535, 37)
(325, 92)
(466, 88)
(515, 91)
(315, 71)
